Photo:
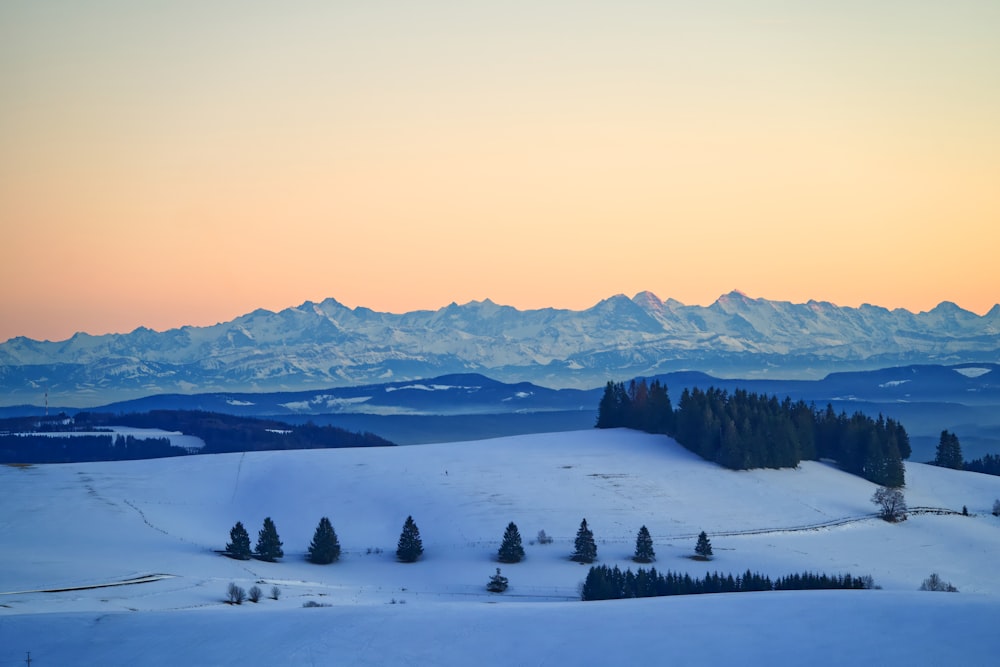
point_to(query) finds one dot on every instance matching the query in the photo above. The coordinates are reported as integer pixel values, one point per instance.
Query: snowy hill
(328, 344)
(89, 525)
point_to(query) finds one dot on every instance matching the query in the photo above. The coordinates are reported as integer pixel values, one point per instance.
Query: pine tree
(268, 544)
(644, 552)
(410, 547)
(949, 452)
(584, 548)
(511, 549)
(239, 543)
(325, 548)
(498, 582)
(704, 547)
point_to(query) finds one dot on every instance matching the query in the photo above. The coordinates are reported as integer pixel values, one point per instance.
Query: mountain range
(327, 344)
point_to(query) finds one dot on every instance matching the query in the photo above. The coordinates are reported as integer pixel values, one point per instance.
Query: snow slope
(77, 525)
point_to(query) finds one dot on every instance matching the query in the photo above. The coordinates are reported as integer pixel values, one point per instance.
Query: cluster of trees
(744, 430)
(29, 448)
(989, 465)
(604, 583)
(268, 544)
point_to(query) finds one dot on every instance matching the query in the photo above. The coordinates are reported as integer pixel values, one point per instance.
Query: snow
(432, 387)
(892, 383)
(327, 400)
(972, 372)
(164, 519)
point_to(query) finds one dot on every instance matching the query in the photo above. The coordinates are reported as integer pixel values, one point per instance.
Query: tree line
(610, 583)
(30, 448)
(743, 430)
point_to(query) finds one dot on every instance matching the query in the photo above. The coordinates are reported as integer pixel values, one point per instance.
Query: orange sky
(164, 164)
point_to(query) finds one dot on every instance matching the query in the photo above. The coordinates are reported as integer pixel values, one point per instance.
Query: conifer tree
(268, 544)
(511, 549)
(584, 548)
(239, 543)
(644, 552)
(703, 548)
(325, 548)
(410, 547)
(949, 452)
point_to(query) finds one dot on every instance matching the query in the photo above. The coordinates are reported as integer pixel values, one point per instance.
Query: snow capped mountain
(328, 344)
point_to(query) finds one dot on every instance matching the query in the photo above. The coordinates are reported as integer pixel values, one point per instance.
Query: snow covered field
(88, 525)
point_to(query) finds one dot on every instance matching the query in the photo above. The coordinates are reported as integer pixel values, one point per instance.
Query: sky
(182, 163)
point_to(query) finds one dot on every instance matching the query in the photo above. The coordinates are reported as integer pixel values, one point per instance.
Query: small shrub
(254, 594)
(497, 583)
(275, 592)
(545, 539)
(312, 604)
(935, 583)
(235, 594)
(996, 507)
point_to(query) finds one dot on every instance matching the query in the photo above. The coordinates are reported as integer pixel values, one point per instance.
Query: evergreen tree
(584, 548)
(410, 547)
(239, 543)
(614, 407)
(498, 583)
(268, 544)
(325, 548)
(704, 547)
(644, 547)
(949, 452)
(511, 549)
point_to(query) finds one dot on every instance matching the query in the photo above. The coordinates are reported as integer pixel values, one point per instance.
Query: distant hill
(927, 399)
(328, 344)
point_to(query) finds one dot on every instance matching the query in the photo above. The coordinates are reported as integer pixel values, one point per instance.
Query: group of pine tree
(610, 583)
(743, 430)
(325, 546)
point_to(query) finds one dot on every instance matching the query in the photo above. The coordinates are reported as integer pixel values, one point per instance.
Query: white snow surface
(74, 526)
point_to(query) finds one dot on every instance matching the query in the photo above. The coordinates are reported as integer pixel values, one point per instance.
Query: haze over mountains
(327, 344)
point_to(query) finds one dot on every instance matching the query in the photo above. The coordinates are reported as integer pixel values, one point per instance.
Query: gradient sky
(172, 163)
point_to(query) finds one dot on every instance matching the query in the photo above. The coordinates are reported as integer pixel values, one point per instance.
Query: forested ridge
(22, 439)
(743, 430)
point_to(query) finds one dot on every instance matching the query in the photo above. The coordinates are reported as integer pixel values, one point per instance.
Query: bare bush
(935, 583)
(891, 503)
(254, 594)
(235, 594)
